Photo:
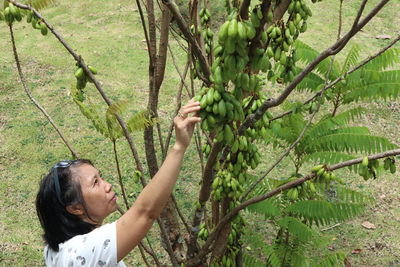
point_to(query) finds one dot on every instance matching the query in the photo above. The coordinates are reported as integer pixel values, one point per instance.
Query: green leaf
(307, 54)
(384, 85)
(297, 228)
(41, 4)
(351, 59)
(322, 212)
(266, 207)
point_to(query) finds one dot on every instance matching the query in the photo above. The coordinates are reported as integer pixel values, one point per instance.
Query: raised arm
(136, 222)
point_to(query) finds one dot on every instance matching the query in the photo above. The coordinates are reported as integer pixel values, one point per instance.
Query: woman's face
(98, 195)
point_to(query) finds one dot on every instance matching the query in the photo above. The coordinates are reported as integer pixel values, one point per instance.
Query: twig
(359, 13)
(333, 83)
(331, 227)
(34, 101)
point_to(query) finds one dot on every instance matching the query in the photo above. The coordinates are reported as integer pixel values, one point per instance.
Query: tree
(256, 46)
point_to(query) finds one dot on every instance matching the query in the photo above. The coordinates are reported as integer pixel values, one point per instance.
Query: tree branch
(204, 195)
(244, 9)
(34, 101)
(333, 83)
(334, 49)
(206, 248)
(191, 39)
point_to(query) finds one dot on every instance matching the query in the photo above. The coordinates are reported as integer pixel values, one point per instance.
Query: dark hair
(58, 224)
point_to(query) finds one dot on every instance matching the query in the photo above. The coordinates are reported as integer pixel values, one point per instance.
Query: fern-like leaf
(384, 85)
(322, 212)
(266, 207)
(327, 157)
(328, 123)
(350, 143)
(296, 228)
(387, 59)
(136, 122)
(307, 54)
(41, 4)
(310, 83)
(91, 112)
(141, 120)
(250, 261)
(351, 59)
(345, 194)
(331, 260)
(114, 109)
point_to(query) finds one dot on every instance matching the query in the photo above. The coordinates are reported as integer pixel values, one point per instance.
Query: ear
(76, 209)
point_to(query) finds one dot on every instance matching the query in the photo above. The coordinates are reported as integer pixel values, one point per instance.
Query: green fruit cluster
(203, 232)
(11, 13)
(303, 191)
(219, 107)
(36, 23)
(226, 185)
(389, 165)
(323, 175)
(82, 78)
(259, 129)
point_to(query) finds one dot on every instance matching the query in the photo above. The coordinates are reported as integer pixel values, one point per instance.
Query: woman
(73, 200)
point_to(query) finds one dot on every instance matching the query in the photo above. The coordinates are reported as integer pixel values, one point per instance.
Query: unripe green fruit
(233, 28)
(223, 32)
(242, 30)
(43, 29)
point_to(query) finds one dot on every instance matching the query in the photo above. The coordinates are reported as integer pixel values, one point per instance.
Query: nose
(107, 186)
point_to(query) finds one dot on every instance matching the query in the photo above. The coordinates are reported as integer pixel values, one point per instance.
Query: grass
(109, 36)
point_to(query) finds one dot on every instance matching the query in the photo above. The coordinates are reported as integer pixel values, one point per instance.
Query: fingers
(191, 107)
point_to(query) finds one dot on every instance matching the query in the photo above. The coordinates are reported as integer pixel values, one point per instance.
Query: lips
(114, 198)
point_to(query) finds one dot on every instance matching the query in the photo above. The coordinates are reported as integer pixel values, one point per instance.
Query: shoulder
(97, 248)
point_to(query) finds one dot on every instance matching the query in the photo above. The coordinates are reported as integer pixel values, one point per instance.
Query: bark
(157, 63)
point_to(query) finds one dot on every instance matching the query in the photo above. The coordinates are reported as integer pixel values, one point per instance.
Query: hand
(184, 124)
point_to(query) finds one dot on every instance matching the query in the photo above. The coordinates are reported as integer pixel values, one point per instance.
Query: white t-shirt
(97, 248)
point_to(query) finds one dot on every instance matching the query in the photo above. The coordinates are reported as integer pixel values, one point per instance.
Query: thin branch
(206, 247)
(34, 101)
(168, 248)
(142, 19)
(359, 13)
(121, 184)
(180, 214)
(143, 256)
(293, 145)
(333, 83)
(200, 55)
(178, 106)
